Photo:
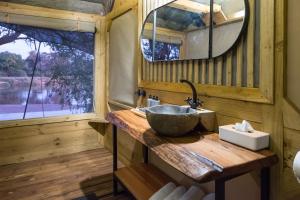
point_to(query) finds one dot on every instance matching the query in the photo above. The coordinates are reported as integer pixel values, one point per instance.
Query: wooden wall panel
(239, 67)
(19, 144)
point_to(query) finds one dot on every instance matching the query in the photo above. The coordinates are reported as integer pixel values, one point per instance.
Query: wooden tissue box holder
(255, 140)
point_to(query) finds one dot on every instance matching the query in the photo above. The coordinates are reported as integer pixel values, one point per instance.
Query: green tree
(11, 64)
(72, 78)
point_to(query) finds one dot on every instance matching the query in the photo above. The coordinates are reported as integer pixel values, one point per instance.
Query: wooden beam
(193, 6)
(70, 5)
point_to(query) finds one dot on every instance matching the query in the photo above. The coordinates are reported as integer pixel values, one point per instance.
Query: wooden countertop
(201, 156)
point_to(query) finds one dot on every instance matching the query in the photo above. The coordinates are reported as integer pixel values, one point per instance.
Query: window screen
(122, 58)
(45, 72)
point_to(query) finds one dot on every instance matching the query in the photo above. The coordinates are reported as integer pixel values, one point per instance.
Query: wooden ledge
(201, 156)
(99, 120)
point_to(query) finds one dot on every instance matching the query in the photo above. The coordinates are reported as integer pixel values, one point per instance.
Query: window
(45, 72)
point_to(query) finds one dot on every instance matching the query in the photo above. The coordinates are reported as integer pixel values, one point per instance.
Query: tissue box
(256, 140)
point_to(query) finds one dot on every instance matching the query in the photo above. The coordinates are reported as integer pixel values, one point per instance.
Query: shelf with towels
(142, 180)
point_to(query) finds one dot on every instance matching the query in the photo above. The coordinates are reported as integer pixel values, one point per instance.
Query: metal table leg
(115, 159)
(145, 153)
(220, 189)
(265, 184)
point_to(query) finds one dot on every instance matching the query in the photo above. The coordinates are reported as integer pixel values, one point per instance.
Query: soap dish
(255, 140)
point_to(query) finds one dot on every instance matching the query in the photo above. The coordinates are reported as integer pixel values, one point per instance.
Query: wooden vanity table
(202, 157)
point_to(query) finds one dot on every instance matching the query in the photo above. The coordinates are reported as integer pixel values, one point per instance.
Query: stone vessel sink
(172, 120)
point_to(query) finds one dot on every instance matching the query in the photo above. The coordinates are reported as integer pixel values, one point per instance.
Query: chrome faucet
(195, 101)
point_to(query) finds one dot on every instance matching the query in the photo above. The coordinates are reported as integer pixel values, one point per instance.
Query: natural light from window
(45, 72)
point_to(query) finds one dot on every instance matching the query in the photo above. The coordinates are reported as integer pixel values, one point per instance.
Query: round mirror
(229, 21)
(193, 29)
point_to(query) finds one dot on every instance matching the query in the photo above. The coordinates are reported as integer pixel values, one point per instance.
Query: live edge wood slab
(200, 156)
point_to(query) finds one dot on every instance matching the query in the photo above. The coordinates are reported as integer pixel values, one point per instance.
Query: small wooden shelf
(142, 180)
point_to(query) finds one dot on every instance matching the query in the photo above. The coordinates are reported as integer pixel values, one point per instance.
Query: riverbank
(13, 82)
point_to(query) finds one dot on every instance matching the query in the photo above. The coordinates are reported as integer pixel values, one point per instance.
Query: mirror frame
(210, 46)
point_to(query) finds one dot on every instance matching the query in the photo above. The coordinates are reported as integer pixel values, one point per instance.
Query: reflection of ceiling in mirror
(232, 8)
(177, 19)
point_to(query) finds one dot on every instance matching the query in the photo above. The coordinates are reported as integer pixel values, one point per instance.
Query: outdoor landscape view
(44, 72)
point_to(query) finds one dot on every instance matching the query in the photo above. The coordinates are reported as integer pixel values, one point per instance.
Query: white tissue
(193, 193)
(176, 194)
(244, 127)
(163, 192)
(296, 166)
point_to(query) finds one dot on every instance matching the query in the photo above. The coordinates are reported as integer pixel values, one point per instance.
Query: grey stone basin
(172, 120)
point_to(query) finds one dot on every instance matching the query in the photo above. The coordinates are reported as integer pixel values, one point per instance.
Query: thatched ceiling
(101, 7)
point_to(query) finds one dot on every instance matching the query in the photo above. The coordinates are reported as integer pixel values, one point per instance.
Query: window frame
(99, 60)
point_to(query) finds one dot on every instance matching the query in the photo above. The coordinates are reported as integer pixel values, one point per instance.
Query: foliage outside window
(45, 72)
(163, 50)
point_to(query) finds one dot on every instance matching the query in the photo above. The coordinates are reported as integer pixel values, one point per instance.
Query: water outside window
(57, 64)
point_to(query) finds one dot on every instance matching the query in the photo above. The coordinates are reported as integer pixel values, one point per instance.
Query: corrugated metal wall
(239, 67)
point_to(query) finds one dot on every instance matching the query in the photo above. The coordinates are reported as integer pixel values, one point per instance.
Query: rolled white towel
(193, 193)
(176, 194)
(163, 192)
(210, 196)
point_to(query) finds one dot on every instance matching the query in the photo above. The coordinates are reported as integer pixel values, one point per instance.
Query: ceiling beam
(193, 6)
(70, 5)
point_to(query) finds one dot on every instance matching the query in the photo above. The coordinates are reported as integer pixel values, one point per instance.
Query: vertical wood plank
(179, 66)
(190, 70)
(169, 72)
(196, 71)
(159, 71)
(203, 75)
(267, 48)
(185, 69)
(151, 69)
(100, 54)
(164, 71)
(144, 68)
(239, 64)
(148, 71)
(155, 71)
(174, 70)
(219, 70)
(229, 69)
(250, 46)
(211, 72)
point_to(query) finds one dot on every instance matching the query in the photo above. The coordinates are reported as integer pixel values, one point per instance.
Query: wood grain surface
(201, 156)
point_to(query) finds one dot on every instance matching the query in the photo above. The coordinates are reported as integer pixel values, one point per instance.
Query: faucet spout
(194, 102)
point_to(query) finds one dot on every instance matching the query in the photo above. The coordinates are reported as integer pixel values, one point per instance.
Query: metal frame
(211, 27)
(219, 183)
(115, 158)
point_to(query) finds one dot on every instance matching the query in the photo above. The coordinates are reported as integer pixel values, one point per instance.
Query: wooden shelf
(142, 180)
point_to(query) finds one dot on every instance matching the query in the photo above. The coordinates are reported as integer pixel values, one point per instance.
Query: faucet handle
(194, 104)
(189, 100)
(199, 103)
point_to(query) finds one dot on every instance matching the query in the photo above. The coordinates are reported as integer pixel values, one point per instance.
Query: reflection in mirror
(184, 30)
(228, 22)
(181, 31)
(147, 44)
